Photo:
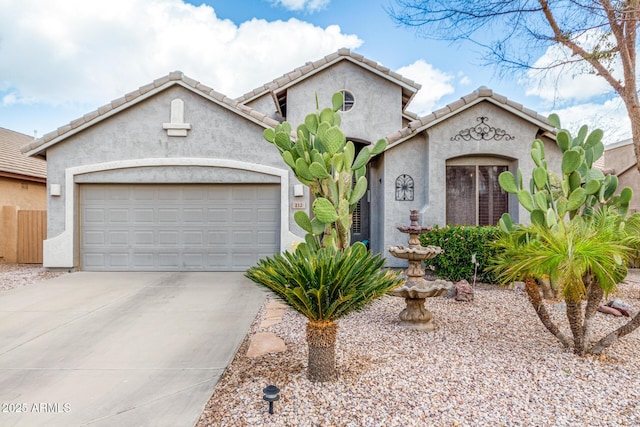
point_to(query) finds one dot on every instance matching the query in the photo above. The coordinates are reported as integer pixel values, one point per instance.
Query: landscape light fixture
(271, 395)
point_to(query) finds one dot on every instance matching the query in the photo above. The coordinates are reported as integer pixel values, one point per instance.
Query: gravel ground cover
(490, 362)
(17, 275)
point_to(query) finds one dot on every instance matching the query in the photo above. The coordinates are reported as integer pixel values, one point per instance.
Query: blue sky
(61, 59)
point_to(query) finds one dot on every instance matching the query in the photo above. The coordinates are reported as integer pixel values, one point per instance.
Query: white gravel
(18, 275)
(489, 363)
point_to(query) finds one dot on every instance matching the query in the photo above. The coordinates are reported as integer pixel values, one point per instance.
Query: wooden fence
(32, 230)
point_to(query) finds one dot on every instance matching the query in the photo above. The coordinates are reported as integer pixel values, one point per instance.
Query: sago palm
(324, 285)
(586, 258)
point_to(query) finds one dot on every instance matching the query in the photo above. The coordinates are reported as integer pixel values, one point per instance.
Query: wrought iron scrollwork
(404, 188)
(482, 132)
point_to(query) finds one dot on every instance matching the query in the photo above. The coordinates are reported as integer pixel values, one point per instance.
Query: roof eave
(211, 95)
(548, 129)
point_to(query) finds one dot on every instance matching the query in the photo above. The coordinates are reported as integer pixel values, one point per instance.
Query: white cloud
(435, 84)
(309, 5)
(611, 117)
(571, 81)
(67, 53)
(463, 80)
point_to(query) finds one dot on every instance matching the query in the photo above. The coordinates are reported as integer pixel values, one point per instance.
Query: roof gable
(482, 94)
(39, 146)
(14, 163)
(277, 88)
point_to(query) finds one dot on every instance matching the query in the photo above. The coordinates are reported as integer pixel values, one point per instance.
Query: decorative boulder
(609, 310)
(464, 291)
(622, 307)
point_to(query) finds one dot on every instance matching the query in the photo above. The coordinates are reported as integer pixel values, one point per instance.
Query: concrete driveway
(119, 349)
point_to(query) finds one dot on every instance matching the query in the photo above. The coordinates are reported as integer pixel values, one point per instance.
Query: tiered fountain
(416, 288)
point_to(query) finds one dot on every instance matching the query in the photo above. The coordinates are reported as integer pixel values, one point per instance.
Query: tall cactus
(323, 160)
(578, 191)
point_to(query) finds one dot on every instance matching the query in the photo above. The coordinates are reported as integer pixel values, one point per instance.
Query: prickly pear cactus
(323, 160)
(577, 190)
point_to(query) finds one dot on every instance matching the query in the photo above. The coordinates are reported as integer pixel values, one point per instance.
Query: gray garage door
(177, 227)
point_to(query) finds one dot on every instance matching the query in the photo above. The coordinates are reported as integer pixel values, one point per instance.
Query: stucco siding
(377, 108)
(217, 135)
(425, 157)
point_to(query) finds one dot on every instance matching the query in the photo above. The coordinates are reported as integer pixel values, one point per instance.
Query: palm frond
(325, 284)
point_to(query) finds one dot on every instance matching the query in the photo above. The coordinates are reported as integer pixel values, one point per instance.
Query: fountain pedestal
(416, 289)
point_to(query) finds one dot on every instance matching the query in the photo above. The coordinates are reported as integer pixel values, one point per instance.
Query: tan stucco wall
(622, 161)
(17, 195)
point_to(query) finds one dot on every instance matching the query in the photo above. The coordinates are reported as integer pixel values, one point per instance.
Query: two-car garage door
(190, 227)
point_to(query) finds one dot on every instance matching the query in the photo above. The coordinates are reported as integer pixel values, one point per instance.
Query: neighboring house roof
(39, 146)
(14, 164)
(278, 87)
(479, 95)
(621, 169)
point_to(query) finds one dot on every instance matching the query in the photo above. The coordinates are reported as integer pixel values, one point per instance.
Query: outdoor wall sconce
(54, 189)
(271, 395)
(298, 190)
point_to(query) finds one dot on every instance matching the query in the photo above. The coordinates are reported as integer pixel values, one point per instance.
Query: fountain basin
(419, 253)
(421, 288)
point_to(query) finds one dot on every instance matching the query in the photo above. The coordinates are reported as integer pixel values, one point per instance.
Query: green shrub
(459, 244)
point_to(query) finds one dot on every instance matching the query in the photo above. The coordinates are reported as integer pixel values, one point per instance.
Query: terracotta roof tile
(132, 97)
(410, 87)
(13, 161)
(481, 93)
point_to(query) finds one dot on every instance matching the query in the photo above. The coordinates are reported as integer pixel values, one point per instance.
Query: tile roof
(142, 93)
(289, 79)
(13, 161)
(481, 94)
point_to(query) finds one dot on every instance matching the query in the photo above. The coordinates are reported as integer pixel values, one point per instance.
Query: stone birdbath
(417, 289)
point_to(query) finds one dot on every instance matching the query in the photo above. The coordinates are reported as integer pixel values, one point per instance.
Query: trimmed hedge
(459, 244)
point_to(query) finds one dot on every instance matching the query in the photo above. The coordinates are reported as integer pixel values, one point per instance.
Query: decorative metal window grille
(404, 188)
(482, 132)
(356, 226)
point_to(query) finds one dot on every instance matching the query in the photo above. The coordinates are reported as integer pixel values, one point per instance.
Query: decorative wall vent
(177, 127)
(404, 188)
(482, 132)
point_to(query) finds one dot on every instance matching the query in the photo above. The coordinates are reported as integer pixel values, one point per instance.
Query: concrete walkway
(119, 349)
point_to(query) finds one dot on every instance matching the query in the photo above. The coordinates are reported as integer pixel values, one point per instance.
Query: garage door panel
(93, 238)
(168, 260)
(143, 216)
(142, 238)
(168, 193)
(143, 259)
(193, 216)
(219, 215)
(118, 216)
(168, 238)
(166, 215)
(118, 238)
(117, 194)
(119, 260)
(267, 238)
(193, 238)
(178, 227)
